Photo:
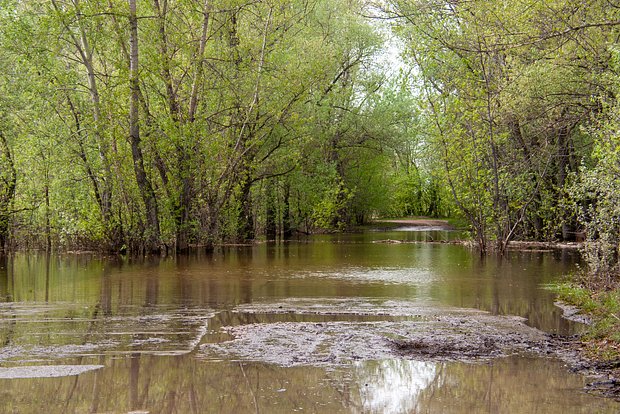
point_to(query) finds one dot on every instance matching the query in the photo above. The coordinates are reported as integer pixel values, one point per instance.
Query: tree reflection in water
(147, 321)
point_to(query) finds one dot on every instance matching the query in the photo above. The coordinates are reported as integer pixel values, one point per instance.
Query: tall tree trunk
(183, 209)
(106, 190)
(7, 189)
(500, 205)
(48, 227)
(184, 152)
(342, 217)
(173, 101)
(270, 211)
(85, 51)
(152, 236)
(287, 231)
(568, 225)
(247, 128)
(193, 101)
(537, 223)
(183, 199)
(246, 219)
(100, 185)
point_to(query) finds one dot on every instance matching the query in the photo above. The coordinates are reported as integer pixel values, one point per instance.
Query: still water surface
(89, 335)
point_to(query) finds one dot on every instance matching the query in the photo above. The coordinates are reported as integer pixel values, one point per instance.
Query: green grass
(603, 337)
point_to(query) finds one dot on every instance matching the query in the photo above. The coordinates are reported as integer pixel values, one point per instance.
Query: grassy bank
(602, 340)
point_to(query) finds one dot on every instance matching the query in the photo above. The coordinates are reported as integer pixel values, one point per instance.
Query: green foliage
(604, 309)
(595, 197)
(504, 102)
(495, 109)
(419, 195)
(327, 213)
(576, 295)
(229, 96)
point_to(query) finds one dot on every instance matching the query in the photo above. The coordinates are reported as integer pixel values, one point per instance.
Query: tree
(144, 124)
(506, 98)
(8, 182)
(152, 240)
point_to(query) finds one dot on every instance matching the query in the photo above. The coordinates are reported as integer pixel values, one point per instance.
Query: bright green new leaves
(235, 115)
(506, 88)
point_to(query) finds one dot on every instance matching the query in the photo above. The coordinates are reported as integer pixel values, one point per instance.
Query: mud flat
(422, 223)
(46, 371)
(422, 333)
(396, 330)
(39, 334)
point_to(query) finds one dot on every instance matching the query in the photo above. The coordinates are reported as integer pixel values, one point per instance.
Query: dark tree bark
(152, 236)
(287, 231)
(568, 223)
(8, 180)
(246, 218)
(271, 230)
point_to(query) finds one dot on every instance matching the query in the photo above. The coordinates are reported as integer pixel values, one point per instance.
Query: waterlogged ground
(383, 330)
(333, 324)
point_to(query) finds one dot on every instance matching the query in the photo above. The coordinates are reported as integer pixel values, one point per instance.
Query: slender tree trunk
(152, 236)
(187, 184)
(287, 231)
(48, 229)
(81, 43)
(183, 209)
(568, 226)
(246, 218)
(500, 206)
(271, 230)
(477, 222)
(173, 101)
(106, 190)
(537, 222)
(184, 152)
(247, 129)
(193, 101)
(182, 203)
(7, 190)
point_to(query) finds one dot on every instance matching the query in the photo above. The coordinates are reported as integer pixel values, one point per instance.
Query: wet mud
(46, 371)
(427, 334)
(573, 313)
(42, 334)
(325, 332)
(398, 330)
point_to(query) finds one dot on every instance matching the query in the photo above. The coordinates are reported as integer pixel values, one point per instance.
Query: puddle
(419, 228)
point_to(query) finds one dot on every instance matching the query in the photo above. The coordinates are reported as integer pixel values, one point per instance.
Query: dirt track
(420, 222)
(426, 333)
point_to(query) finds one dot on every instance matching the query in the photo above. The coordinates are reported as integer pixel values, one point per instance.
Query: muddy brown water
(329, 324)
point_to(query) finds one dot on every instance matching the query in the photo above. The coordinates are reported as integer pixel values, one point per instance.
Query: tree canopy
(148, 124)
(511, 91)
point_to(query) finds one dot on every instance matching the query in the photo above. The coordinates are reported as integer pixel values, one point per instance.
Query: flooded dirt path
(398, 330)
(333, 324)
